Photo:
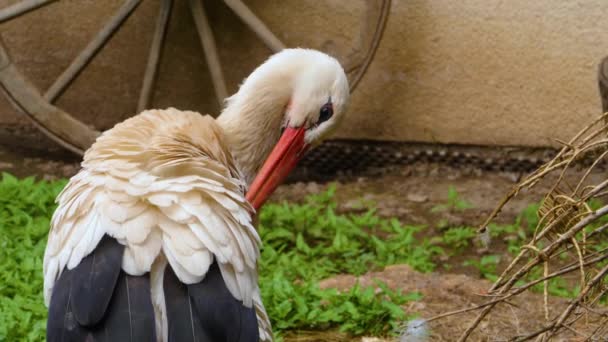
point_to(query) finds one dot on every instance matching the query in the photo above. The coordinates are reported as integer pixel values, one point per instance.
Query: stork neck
(252, 123)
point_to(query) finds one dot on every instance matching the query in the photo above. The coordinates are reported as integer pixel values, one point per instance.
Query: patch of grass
(454, 202)
(25, 209)
(452, 207)
(302, 245)
(519, 232)
(459, 237)
(360, 310)
(309, 242)
(486, 266)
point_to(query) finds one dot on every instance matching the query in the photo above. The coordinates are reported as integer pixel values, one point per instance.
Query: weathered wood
(208, 42)
(77, 137)
(372, 29)
(21, 7)
(256, 25)
(85, 56)
(52, 121)
(154, 56)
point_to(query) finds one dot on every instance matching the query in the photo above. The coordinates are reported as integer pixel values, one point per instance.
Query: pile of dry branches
(569, 241)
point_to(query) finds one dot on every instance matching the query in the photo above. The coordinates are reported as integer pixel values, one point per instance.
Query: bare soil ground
(408, 193)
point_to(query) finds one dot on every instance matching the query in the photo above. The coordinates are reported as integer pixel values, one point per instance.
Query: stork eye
(326, 112)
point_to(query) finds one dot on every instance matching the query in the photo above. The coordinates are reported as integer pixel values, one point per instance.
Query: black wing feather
(130, 316)
(96, 301)
(94, 280)
(210, 310)
(183, 321)
(61, 324)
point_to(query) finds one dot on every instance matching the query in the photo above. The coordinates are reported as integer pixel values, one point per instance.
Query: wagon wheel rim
(76, 136)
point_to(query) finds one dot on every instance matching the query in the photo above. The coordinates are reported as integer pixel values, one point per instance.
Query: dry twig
(570, 232)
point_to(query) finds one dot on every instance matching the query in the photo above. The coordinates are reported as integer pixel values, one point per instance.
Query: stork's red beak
(278, 165)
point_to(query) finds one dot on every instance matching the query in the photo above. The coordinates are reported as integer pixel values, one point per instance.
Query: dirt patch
(45, 162)
(448, 292)
(411, 191)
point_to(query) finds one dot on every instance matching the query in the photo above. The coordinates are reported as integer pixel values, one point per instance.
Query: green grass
(486, 265)
(457, 239)
(25, 209)
(453, 203)
(302, 244)
(309, 242)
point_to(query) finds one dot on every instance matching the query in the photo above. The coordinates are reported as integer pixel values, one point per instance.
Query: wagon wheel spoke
(210, 49)
(160, 31)
(371, 35)
(368, 31)
(81, 61)
(52, 121)
(255, 24)
(21, 7)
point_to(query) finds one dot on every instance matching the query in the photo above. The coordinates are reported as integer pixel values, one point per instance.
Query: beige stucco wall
(487, 72)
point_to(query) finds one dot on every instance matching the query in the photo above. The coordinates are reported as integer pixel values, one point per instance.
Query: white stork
(153, 238)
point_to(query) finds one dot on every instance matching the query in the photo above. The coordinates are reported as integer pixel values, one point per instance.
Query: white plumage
(187, 205)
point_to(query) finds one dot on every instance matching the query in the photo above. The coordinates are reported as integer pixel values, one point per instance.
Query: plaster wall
(488, 72)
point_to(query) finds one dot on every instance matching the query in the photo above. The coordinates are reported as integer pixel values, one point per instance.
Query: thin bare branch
(567, 223)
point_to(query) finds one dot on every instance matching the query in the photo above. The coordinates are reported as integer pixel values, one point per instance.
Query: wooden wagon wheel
(77, 136)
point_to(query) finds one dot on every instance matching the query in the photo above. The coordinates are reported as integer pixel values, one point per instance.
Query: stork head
(301, 97)
(319, 95)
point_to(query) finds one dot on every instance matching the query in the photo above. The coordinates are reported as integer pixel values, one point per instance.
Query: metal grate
(350, 157)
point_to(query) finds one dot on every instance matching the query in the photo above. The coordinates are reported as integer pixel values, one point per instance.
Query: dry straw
(565, 243)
